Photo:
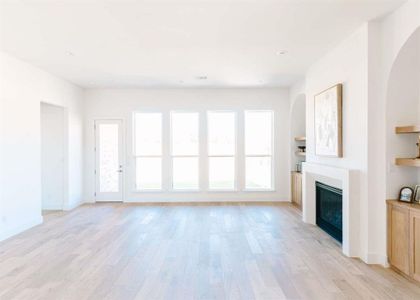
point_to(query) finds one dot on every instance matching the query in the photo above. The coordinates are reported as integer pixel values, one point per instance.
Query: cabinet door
(415, 244)
(398, 235)
(299, 189)
(293, 187)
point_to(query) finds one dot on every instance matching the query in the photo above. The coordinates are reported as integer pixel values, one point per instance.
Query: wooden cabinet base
(403, 226)
(296, 181)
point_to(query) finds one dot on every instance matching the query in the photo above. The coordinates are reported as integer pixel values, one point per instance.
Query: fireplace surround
(348, 181)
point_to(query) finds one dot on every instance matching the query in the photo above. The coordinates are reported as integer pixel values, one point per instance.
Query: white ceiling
(164, 43)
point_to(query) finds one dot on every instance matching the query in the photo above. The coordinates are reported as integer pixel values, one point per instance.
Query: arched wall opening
(297, 128)
(403, 109)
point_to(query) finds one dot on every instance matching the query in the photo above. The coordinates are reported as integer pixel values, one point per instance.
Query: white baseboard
(377, 259)
(166, 199)
(73, 205)
(198, 199)
(52, 207)
(7, 233)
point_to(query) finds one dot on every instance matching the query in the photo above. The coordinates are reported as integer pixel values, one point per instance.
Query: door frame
(121, 154)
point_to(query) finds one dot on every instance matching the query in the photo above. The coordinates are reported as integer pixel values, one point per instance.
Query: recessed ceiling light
(202, 77)
(281, 52)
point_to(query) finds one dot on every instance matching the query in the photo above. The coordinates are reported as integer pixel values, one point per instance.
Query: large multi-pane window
(174, 150)
(258, 149)
(221, 149)
(148, 150)
(185, 150)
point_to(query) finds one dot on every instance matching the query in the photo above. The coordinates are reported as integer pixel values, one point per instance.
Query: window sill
(151, 191)
(259, 190)
(203, 191)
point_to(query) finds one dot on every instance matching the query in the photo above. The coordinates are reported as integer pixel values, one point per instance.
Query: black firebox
(329, 210)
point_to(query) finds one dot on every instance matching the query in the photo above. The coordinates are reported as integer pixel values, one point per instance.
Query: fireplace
(329, 210)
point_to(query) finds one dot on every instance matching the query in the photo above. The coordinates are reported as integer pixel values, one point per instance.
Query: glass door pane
(108, 160)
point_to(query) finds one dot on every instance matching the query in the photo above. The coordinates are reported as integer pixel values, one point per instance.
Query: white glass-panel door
(109, 154)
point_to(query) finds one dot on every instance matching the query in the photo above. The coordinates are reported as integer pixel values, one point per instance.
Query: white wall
(363, 63)
(22, 88)
(347, 63)
(387, 39)
(403, 109)
(297, 128)
(52, 157)
(297, 120)
(120, 104)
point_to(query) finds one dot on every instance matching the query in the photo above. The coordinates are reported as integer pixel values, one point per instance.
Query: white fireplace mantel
(345, 179)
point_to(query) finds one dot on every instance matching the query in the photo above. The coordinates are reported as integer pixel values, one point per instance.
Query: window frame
(234, 155)
(135, 156)
(271, 156)
(172, 156)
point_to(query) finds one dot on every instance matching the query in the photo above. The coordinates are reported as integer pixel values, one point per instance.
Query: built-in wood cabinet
(415, 243)
(404, 237)
(296, 182)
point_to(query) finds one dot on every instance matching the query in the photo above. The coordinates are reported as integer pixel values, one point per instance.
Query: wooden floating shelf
(300, 153)
(408, 129)
(409, 162)
(300, 138)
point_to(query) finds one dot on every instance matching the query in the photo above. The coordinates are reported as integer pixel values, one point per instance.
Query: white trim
(73, 205)
(259, 190)
(175, 198)
(344, 179)
(53, 207)
(376, 259)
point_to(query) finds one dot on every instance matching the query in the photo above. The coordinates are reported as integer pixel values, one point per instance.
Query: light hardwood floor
(119, 251)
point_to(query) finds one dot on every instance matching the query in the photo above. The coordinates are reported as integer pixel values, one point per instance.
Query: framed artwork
(328, 122)
(416, 197)
(406, 194)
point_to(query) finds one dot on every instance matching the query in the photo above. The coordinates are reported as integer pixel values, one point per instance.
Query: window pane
(185, 173)
(221, 133)
(148, 131)
(148, 173)
(222, 173)
(258, 132)
(184, 133)
(258, 173)
(108, 158)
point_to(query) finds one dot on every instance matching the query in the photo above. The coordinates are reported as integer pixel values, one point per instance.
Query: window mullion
(240, 146)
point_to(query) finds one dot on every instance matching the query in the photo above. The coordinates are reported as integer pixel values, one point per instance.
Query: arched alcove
(297, 128)
(403, 109)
